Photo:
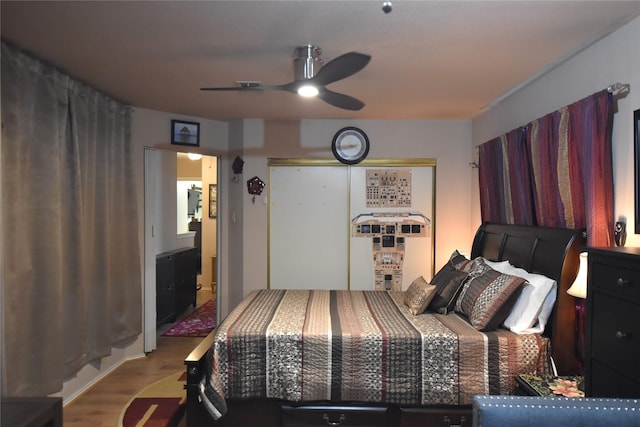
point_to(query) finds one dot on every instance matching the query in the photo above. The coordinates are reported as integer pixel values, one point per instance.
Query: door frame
(152, 173)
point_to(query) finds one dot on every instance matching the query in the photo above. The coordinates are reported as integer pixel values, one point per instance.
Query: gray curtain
(71, 278)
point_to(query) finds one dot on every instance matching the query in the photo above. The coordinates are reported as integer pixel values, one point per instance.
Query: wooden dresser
(612, 330)
(176, 287)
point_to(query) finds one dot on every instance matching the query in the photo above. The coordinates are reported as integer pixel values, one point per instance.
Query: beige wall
(446, 141)
(616, 58)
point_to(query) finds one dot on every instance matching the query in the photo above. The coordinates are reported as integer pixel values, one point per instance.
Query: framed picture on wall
(213, 200)
(636, 166)
(185, 133)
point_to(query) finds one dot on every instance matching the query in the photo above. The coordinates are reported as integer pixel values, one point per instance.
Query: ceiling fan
(311, 77)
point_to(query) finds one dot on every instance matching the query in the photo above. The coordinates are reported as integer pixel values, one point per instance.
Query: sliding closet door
(308, 227)
(362, 227)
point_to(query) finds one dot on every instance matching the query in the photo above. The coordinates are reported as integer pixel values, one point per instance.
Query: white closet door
(308, 227)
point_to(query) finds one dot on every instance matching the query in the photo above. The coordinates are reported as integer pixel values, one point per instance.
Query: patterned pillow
(487, 299)
(474, 267)
(459, 261)
(448, 282)
(419, 295)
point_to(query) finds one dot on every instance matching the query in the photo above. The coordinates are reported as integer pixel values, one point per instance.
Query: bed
(368, 360)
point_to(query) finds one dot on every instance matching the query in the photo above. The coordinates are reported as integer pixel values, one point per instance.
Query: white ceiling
(430, 59)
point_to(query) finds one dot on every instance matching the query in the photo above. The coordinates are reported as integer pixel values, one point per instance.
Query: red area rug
(197, 324)
(162, 404)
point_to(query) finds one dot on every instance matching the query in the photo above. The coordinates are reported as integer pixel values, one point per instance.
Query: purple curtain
(590, 127)
(505, 185)
(556, 174)
(541, 143)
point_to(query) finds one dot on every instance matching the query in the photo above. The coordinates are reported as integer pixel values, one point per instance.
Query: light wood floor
(101, 404)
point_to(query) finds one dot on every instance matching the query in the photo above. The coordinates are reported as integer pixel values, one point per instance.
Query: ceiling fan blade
(341, 67)
(340, 100)
(233, 88)
(247, 88)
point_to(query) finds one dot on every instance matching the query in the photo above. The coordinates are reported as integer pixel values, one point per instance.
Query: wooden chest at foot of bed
(273, 413)
(351, 416)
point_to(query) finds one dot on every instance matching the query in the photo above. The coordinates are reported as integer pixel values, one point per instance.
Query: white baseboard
(101, 374)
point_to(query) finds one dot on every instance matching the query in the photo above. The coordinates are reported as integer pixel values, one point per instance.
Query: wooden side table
(31, 412)
(548, 385)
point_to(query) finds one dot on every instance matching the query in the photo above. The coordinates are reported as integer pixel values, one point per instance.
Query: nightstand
(612, 331)
(548, 385)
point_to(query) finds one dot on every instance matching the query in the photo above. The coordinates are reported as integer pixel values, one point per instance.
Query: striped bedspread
(301, 345)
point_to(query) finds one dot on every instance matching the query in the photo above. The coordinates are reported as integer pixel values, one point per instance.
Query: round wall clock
(350, 145)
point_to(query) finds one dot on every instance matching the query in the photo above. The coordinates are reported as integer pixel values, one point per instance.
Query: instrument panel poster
(388, 188)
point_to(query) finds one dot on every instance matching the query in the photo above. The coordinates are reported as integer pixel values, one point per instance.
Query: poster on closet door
(308, 227)
(392, 223)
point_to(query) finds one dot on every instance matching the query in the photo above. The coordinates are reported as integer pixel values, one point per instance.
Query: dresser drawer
(615, 334)
(605, 382)
(435, 417)
(618, 280)
(343, 416)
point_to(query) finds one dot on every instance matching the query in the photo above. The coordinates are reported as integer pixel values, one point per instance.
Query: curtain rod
(615, 87)
(619, 87)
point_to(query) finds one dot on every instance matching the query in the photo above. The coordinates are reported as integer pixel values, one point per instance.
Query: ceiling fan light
(194, 156)
(308, 91)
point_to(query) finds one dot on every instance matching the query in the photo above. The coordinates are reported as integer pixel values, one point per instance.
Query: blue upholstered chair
(526, 411)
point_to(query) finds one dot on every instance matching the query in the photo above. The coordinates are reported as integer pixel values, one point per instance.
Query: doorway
(166, 173)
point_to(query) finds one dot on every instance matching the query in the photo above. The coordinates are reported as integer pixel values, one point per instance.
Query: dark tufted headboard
(553, 252)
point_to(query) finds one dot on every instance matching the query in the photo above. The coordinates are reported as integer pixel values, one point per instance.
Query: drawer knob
(446, 420)
(622, 335)
(622, 282)
(334, 423)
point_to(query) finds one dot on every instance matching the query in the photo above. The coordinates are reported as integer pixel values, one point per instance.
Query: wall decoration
(388, 232)
(185, 133)
(388, 188)
(194, 201)
(255, 186)
(237, 165)
(636, 140)
(213, 200)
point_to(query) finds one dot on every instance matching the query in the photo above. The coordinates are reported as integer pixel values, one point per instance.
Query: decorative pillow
(474, 267)
(419, 295)
(459, 261)
(531, 311)
(487, 299)
(448, 282)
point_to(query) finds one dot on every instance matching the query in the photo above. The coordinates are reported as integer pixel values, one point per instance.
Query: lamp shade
(579, 287)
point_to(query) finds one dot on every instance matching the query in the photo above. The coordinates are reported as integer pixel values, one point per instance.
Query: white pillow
(500, 266)
(545, 312)
(535, 303)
